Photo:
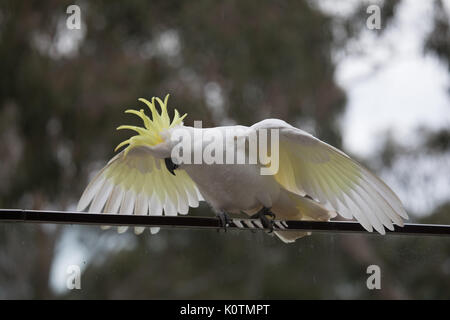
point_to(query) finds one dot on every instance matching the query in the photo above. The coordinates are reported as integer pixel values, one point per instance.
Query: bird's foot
(263, 215)
(224, 220)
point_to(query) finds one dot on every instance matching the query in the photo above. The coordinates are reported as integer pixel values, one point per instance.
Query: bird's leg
(224, 219)
(262, 215)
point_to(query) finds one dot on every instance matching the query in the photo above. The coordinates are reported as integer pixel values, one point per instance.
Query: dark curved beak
(170, 165)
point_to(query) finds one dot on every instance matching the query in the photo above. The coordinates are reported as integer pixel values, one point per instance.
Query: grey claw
(266, 222)
(224, 220)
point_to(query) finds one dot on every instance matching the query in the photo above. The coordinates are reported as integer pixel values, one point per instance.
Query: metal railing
(196, 222)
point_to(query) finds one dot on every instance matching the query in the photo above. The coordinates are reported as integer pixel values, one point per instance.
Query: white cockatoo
(311, 180)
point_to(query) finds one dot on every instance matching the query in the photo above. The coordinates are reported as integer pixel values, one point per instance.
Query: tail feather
(305, 209)
(291, 236)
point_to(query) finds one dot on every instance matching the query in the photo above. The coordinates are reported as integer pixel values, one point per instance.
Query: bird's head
(152, 135)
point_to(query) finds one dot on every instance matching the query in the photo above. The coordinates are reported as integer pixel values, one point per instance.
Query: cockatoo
(312, 180)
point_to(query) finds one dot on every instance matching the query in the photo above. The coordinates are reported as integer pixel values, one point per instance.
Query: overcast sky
(408, 89)
(395, 87)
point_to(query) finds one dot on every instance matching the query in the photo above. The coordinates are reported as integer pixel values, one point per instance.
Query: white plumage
(315, 181)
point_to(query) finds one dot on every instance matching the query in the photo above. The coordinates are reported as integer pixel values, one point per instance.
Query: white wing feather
(139, 184)
(308, 166)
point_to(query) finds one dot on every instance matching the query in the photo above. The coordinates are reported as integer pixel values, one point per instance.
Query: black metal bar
(67, 217)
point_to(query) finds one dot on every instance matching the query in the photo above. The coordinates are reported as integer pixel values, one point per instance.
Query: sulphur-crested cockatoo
(311, 181)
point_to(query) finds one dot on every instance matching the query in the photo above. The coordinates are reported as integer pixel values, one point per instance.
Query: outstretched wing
(308, 166)
(140, 184)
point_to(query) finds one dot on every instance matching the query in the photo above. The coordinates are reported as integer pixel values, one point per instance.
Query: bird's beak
(170, 165)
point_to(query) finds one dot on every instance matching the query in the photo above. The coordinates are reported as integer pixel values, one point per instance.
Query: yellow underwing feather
(136, 182)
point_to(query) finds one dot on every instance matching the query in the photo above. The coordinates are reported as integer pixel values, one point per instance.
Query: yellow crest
(150, 134)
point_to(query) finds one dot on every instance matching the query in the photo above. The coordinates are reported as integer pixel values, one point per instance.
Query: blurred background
(382, 95)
